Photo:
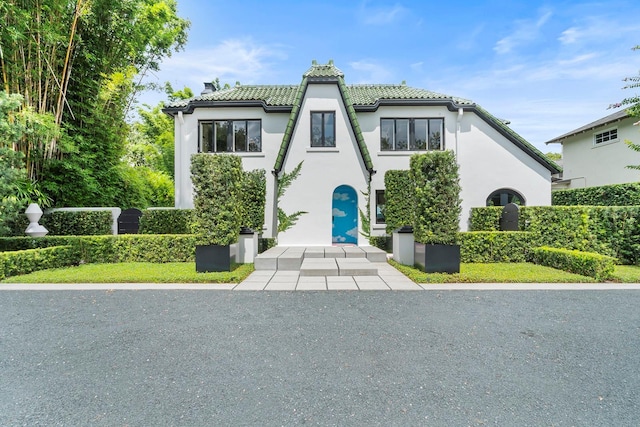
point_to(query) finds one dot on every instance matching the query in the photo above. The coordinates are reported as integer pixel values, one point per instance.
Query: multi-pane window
(224, 136)
(323, 129)
(411, 134)
(606, 136)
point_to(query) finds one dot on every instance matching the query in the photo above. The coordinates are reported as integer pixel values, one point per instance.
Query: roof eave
(192, 105)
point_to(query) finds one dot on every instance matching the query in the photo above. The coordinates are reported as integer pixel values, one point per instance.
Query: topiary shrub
(28, 261)
(217, 182)
(166, 221)
(399, 203)
(78, 223)
(606, 195)
(495, 246)
(485, 218)
(437, 203)
(253, 198)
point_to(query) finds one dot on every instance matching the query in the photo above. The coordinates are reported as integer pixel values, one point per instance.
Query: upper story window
(323, 129)
(606, 136)
(227, 136)
(411, 134)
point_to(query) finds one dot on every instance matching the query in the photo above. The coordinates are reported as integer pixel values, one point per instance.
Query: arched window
(504, 196)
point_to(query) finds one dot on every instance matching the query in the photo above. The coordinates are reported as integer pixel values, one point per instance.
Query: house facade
(346, 137)
(596, 154)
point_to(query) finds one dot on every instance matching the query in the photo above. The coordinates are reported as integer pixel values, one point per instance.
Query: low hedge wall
(78, 223)
(495, 246)
(28, 261)
(606, 195)
(600, 267)
(166, 221)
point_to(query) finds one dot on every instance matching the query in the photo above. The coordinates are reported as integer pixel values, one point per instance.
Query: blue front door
(344, 211)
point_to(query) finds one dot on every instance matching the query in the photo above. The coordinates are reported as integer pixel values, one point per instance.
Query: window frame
(231, 140)
(510, 193)
(411, 145)
(380, 195)
(607, 133)
(323, 125)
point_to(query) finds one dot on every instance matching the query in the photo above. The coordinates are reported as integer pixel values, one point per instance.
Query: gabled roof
(356, 98)
(611, 118)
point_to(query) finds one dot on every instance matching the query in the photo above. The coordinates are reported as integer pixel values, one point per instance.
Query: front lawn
(134, 272)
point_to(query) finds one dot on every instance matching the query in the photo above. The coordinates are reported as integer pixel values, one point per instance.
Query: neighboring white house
(347, 137)
(596, 154)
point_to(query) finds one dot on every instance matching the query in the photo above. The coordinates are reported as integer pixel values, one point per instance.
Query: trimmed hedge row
(28, 261)
(166, 221)
(495, 246)
(607, 230)
(600, 267)
(606, 195)
(78, 223)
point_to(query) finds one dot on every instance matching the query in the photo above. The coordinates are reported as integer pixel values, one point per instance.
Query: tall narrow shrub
(399, 199)
(254, 194)
(217, 183)
(437, 204)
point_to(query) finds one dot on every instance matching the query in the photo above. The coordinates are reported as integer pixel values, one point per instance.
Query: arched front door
(344, 211)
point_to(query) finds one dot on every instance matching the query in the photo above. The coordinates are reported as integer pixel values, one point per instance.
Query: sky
(546, 66)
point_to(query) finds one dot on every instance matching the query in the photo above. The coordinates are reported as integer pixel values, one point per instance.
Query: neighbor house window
(323, 129)
(504, 196)
(380, 204)
(225, 136)
(606, 136)
(411, 134)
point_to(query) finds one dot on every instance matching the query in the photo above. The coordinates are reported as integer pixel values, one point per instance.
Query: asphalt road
(223, 358)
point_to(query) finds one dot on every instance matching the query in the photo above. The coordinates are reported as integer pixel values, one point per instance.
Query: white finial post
(34, 213)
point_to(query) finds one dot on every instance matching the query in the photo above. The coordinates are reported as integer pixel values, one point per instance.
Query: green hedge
(266, 243)
(495, 246)
(398, 193)
(166, 221)
(110, 249)
(382, 242)
(78, 223)
(28, 261)
(606, 195)
(607, 230)
(600, 267)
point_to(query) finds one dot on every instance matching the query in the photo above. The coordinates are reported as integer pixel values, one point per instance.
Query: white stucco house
(596, 154)
(347, 137)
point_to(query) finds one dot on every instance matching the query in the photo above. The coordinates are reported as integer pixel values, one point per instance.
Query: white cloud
(370, 72)
(339, 239)
(526, 31)
(353, 232)
(341, 196)
(338, 213)
(380, 15)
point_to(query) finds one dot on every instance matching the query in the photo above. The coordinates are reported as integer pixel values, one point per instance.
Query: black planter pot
(437, 258)
(211, 258)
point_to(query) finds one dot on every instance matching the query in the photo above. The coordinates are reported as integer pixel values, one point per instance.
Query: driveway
(226, 358)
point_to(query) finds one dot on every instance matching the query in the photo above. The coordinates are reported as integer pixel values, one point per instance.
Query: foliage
(24, 262)
(217, 183)
(600, 267)
(79, 77)
(254, 198)
(437, 197)
(166, 221)
(266, 243)
(485, 218)
(365, 219)
(135, 272)
(382, 242)
(633, 102)
(78, 223)
(494, 273)
(554, 157)
(606, 195)
(399, 196)
(495, 246)
(286, 221)
(627, 273)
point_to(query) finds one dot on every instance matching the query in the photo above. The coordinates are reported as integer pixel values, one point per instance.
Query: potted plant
(217, 182)
(436, 211)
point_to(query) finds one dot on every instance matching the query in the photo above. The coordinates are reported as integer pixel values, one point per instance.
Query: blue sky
(547, 66)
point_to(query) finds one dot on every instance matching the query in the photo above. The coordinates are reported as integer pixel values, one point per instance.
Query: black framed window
(606, 136)
(380, 204)
(323, 129)
(411, 134)
(504, 196)
(225, 136)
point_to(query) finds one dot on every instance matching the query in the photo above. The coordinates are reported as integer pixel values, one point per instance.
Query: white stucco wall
(487, 160)
(588, 165)
(323, 170)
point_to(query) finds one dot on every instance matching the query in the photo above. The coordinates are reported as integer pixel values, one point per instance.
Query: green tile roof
(366, 97)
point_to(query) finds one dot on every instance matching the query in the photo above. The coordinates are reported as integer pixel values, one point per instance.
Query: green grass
(134, 272)
(495, 273)
(627, 273)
